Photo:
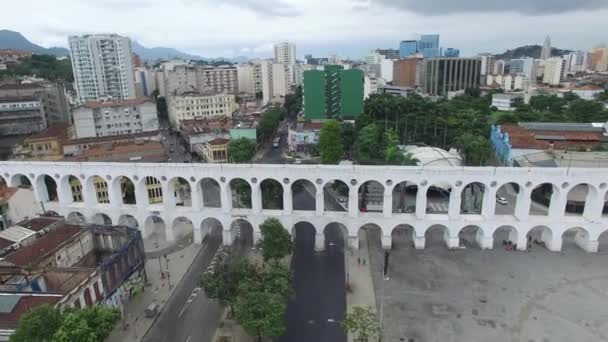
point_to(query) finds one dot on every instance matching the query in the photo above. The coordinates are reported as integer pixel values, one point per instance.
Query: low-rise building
(132, 151)
(302, 137)
(13, 56)
(17, 204)
(396, 90)
(195, 106)
(110, 118)
(44, 146)
(504, 102)
(21, 115)
(214, 150)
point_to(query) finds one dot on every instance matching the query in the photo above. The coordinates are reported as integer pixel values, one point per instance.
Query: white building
(103, 67)
(487, 64)
(386, 68)
(507, 82)
(101, 119)
(374, 58)
(275, 80)
(371, 84)
(587, 92)
(200, 106)
(499, 67)
(554, 70)
(503, 101)
(180, 77)
(285, 53)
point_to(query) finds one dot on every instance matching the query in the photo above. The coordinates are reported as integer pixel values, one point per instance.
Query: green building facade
(333, 93)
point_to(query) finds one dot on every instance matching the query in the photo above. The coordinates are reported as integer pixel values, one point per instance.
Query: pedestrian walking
(359, 261)
(363, 261)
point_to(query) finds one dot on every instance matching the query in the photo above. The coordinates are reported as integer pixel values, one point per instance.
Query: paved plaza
(473, 295)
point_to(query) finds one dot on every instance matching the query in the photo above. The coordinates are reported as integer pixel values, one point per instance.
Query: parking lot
(473, 295)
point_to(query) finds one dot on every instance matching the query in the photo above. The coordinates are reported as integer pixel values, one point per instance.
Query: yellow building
(76, 187)
(44, 146)
(216, 150)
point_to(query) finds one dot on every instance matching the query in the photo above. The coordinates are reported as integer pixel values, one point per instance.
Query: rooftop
(124, 151)
(117, 103)
(13, 306)
(191, 127)
(18, 98)
(17, 86)
(58, 131)
(93, 140)
(218, 141)
(41, 247)
(41, 222)
(540, 136)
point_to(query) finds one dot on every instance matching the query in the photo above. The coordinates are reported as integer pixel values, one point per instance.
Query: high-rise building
(438, 76)
(487, 63)
(374, 58)
(333, 93)
(428, 46)
(599, 59)
(408, 48)
(285, 52)
(275, 80)
(499, 67)
(521, 66)
(389, 53)
(145, 81)
(546, 51)
(184, 78)
(554, 71)
(405, 72)
(451, 52)
(103, 67)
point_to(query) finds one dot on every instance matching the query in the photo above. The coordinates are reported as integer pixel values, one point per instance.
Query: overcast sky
(229, 28)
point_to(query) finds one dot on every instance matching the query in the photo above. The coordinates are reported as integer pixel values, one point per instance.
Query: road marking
(188, 339)
(330, 320)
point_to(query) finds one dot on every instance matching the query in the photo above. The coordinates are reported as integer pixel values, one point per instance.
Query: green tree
(369, 144)
(330, 142)
(38, 324)
(349, 136)
(476, 148)
(276, 241)
(392, 153)
(270, 121)
(293, 102)
(44, 66)
(362, 322)
(241, 150)
(223, 283)
(243, 193)
(260, 312)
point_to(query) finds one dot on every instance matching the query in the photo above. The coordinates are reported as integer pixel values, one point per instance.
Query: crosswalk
(438, 207)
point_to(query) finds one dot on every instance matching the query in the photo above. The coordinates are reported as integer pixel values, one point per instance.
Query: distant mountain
(15, 40)
(529, 51)
(152, 54)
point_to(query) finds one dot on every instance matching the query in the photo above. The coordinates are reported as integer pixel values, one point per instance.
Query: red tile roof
(218, 141)
(39, 250)
(25, 303)
(524, 138)
(5, 243)
(39, 223)
(58, 131)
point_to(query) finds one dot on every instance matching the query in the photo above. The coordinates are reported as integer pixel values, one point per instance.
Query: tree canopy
(330, 142)
(362, 322)
(45, 66)
(276, 241)
(241, 150)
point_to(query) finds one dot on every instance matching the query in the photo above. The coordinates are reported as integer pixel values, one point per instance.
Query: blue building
(451, 52)
(408, 48)
(428, 45)
(501, 145)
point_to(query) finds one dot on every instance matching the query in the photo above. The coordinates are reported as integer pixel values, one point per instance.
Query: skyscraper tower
(546, 52)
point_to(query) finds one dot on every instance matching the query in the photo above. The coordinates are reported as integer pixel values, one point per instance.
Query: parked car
(501, 200)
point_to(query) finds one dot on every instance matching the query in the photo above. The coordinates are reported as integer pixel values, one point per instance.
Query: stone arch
(602, 242)
(211, 191)
(3, 182)
(305, 238)
(373, 234)
(47, 188)
(126, 187)
(240, 192)
(438, 198)
(98, 187)
(471, 198)
(576, 237)
(21, 181)
(156, 231)
(471, 236)
(335, 235)
(101, 219)
(76, 217)
(182, 227)
(129, 221)
(153, 189)
(404, 197)
(211, 227)
(541, 198)
(371, 197)
(181, 191)
(301, 190)
(242, 230)
(505, 237)
(436, 235)
(73, 188)
(272, 194)
(539, 236)
(403, 236)
(336, 195)
(579, 197)
(507, 196)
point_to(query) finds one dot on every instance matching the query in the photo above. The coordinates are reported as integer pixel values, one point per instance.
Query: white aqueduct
(486, 224)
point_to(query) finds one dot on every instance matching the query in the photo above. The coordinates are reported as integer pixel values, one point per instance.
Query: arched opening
(402, 237)
(211, 193)
(304, 235)
(154, 190)
(303, 194)
(605, 208)
(272, 194)
(76, 218)
(101, 219)
(578, 197)
(471, 198)
(127, 189)
(506, 199)
(183, 228)
(47, 188)
(335, 235)
(3, 183)
(541, 199)
(436, 236)
(156, 232)
(211, 228)
(539, 236)
(242, 232)
(335, 194)
(75, 189)
(241, 193)
(505, 237)
(180, 189)
(129, 221)
(576, 238)
(438, 198)
(21, 181)
(100, 186)
(470, 237)
(371, 197)
(404, 198)
(602, 242)
(370, 235)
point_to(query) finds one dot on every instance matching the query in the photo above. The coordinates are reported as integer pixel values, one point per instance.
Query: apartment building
(200, 106)
(21, 115)
(51, 94)
(183, 78)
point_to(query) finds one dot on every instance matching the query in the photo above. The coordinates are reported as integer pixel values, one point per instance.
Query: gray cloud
(526, 7)
(263, 8)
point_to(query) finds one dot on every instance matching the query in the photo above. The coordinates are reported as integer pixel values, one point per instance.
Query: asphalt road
(173, 141)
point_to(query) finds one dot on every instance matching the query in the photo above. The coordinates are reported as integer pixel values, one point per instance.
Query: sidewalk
(360, 278)
(156, 290)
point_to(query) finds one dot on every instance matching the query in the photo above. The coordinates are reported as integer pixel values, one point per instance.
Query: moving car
(501, 200)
